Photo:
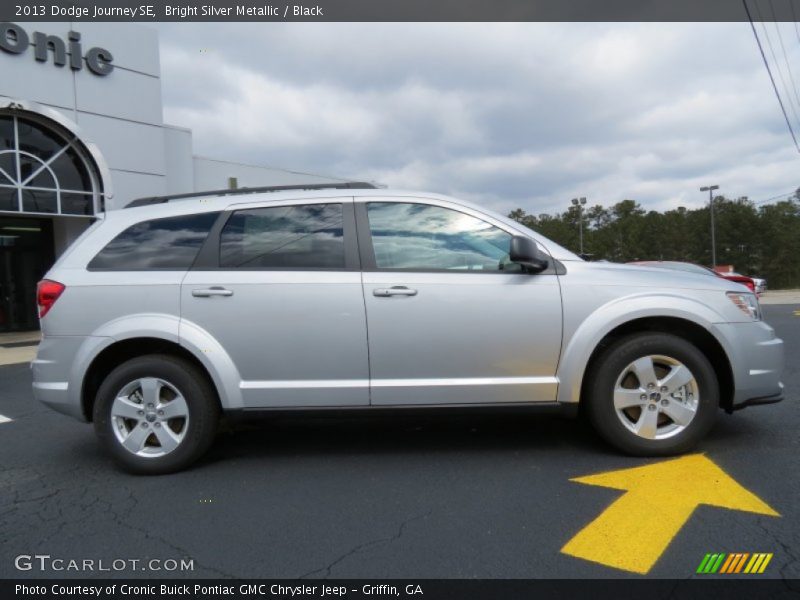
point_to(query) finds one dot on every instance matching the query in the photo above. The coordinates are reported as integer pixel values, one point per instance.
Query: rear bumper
(57, 373)
(55, 394)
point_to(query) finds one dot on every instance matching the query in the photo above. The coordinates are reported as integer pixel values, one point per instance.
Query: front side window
(169, 243)
(284, 237)
(425, 237)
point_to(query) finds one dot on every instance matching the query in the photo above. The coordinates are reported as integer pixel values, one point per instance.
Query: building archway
(45, 168)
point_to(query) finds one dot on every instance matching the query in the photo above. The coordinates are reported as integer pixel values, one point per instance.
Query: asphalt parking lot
(460, 497)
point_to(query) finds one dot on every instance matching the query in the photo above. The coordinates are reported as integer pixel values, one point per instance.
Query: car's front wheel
(156, 414)
(652, 394)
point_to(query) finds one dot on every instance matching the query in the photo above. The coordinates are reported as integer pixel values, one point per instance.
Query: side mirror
(525, 252)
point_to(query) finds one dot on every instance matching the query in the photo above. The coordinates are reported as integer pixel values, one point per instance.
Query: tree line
(761, 241)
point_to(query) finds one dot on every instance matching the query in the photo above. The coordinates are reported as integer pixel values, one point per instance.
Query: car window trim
(208, 257)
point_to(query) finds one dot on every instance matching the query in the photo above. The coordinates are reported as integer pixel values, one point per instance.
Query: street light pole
(580, 202)
(710, 189)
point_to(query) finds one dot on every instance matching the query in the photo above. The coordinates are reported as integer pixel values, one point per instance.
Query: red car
(693, 268)
(748, 281)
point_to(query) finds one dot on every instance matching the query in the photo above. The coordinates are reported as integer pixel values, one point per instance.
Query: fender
(608, 317)
(216, 361)
(164, 327)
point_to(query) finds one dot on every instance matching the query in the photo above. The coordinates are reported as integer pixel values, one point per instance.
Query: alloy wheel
(150, 417)
(656, 397)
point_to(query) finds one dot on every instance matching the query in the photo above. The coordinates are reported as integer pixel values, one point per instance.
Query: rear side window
(170, 243)
(284, 237)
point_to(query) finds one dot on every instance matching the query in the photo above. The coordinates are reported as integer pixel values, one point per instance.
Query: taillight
(47, 292)
(750, 285)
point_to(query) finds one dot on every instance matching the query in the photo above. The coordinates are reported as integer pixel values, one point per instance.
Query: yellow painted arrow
(634, 531)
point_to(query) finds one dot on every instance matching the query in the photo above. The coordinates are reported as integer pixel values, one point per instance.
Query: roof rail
(345, 185)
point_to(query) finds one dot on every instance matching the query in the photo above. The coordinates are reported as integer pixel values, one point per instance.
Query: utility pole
(580, 202)
(710, 189)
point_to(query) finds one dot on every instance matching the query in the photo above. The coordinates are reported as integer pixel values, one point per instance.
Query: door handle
(212, 291)
(398, 290)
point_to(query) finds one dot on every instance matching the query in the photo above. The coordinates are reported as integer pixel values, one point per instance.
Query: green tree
(780, 235)
(760, 241)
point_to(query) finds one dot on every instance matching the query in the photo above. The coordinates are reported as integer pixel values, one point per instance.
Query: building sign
(15, 40)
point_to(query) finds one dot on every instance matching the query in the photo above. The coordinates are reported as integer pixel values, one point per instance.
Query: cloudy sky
(527, 114)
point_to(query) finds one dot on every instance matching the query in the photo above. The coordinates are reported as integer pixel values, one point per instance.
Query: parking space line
(4, 419)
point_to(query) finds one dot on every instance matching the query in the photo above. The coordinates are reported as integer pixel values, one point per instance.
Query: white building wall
(122, 112)
(65, 231)
(28, 79)
(179, 163)
(126, 145)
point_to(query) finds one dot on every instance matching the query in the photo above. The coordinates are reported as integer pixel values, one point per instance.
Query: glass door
(26, 252)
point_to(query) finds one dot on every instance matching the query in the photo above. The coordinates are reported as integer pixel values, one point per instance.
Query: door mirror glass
(525, 252)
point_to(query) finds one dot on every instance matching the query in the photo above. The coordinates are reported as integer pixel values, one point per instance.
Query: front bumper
(757, 358)
(762, 400)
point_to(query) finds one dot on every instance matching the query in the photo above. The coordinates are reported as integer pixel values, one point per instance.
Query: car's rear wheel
(156, 414)
(652, 394)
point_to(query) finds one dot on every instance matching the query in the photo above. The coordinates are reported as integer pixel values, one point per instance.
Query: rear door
(279, 287)
(450, 320)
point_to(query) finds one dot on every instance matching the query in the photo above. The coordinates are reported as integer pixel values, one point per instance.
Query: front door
(284, 300)
(450, 320)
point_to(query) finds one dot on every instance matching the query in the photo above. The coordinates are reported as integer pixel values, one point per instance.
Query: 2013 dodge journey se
(163, 317)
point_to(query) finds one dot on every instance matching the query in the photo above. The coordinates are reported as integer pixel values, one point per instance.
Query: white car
(161, 317)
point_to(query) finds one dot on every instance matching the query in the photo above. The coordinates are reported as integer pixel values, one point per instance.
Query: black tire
(601, 379)
(200, 426)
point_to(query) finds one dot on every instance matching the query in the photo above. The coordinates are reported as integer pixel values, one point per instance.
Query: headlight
(747, 303)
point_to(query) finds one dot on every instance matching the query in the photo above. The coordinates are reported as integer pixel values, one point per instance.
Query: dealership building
(82, 132)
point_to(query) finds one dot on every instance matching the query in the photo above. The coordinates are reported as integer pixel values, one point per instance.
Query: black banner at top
(398, 10)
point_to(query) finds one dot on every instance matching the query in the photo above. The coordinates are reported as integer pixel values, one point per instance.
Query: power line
(783, 49)
(794, 18)
(775, 61)
(779, 196)
(771, 78)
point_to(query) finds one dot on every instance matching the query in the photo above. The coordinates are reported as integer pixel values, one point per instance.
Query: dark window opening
(285, 237)
(169, 243)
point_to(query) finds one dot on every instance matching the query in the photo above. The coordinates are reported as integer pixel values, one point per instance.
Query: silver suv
(163, 317)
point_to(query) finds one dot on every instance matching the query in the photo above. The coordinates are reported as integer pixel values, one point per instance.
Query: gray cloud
(528, 114)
